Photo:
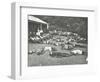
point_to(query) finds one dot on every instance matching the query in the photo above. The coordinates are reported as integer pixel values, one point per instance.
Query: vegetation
(72, 24)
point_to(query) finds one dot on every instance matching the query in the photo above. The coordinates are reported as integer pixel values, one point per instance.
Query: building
(36, 26)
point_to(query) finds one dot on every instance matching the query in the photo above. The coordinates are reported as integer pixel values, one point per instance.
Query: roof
(32, 18)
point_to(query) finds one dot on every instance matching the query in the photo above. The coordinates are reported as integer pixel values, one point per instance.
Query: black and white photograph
(53, 41)
(57, 40)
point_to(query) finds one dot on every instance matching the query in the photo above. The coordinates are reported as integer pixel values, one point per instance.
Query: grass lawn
(47, 60)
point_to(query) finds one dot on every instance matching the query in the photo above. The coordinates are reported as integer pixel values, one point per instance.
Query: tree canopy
(65, 23)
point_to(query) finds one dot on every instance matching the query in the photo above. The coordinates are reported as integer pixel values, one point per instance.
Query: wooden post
(47, 26)
(41, 26)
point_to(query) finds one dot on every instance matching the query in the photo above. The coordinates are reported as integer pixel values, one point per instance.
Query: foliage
(73, 24)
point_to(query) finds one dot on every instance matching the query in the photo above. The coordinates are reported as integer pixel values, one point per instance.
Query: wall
(5, 40)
